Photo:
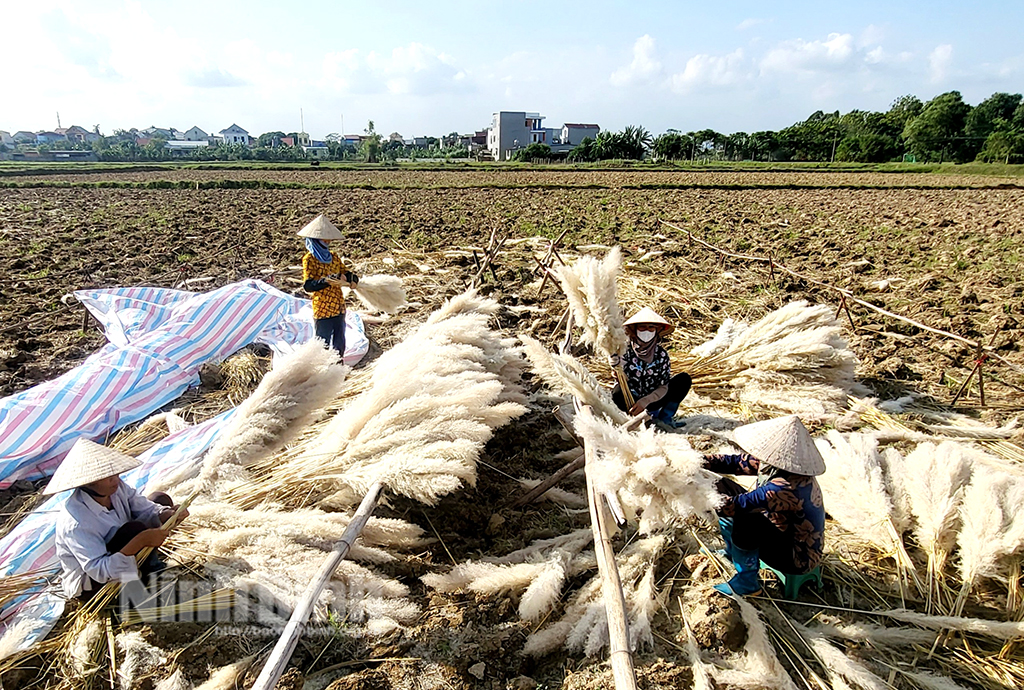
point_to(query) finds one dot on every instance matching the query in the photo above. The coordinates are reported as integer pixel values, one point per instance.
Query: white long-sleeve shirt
(83, 529)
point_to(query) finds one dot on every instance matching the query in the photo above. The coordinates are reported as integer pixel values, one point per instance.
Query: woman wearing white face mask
(648, 370)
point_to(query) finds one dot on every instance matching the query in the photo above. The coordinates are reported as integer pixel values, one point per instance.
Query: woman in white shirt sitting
(105, 522)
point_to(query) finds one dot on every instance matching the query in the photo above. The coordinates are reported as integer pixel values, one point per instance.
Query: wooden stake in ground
(619, 654)
(282, 652)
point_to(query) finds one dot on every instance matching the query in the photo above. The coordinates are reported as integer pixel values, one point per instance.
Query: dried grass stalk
(1000, 630)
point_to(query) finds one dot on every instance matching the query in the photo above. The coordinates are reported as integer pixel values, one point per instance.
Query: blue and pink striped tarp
(159, 338)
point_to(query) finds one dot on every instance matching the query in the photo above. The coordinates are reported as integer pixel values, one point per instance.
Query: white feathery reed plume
(727, 332)
(1000, 630)
(701, 674)
(433, 401)
(590, 286)
(658, 476)
(539, 571)
(140, 658)
(566, 375)
(992, 517)
(227, 677)
(929, 681)
(876, 635)
(584, 627)
(14, 636)
(757, 667)
(837, 663)
(175, 681)
(382, 293)
(857, 497)
(291, 396)
(894, 471)
(935, 481)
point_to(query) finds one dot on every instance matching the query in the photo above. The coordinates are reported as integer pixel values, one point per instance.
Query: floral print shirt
(793, 503)
(643, 377)
(328, 301)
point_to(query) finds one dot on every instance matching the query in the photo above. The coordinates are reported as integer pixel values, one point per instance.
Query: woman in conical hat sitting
(324, 275)
(648, 370)
(104, 522)
(780, 522)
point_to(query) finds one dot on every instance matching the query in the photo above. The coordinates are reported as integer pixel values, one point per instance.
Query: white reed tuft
(727, 332)
(877, 635)
(175, 681)
(838, 664)
(14, 636)
(382, 293)
(589, 285)
(894, 471)
(566, 375)
(140, 658)
(992, 515)
(757, 667)
(83, 649)
(936, 476)
(658, 476)
(854, 486)
(1000, 630)
(929, 681)
(227, 677)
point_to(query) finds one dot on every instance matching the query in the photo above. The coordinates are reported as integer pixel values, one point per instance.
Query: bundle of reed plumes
(432, 403)
(270, 552)
(381, 293)
(289, 398)
(589, 285)
(568, 376)
(658, 477)
(792, 360)
(858, 496)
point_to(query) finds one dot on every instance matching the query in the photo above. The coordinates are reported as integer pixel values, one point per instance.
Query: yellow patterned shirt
(330, 301)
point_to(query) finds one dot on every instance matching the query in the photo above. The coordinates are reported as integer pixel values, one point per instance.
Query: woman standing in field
(324, 275)
(648, 370)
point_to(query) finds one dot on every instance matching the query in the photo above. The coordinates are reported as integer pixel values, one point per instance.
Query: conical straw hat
(783, 443)
(321, 229)
(648, 315)
(88, 462)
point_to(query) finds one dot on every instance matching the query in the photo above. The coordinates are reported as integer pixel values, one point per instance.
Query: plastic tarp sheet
(158, 340)
(30, 547)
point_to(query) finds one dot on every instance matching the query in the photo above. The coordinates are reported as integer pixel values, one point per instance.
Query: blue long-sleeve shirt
(792, 502)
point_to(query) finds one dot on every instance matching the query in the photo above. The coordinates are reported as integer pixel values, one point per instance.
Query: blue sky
(434, 67)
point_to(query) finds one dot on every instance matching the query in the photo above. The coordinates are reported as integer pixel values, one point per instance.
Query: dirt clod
(716, 622)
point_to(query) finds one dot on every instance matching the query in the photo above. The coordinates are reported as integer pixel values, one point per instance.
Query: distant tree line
(943, 129)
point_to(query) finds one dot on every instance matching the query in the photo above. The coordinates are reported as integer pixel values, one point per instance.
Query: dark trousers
(332, 332)
(755, 531)
(678, 387)
(124, 534)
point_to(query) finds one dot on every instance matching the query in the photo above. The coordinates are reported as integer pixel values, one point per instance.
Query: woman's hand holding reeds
(167, 513)
(150, 538)
(337, 283)
(614, 361)
(641, 405)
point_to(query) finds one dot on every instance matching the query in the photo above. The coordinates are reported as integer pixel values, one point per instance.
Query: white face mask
(646, 336)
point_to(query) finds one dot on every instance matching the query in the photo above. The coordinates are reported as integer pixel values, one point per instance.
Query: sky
(429, 68)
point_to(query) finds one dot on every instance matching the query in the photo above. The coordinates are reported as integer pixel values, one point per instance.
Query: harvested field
(943, 250)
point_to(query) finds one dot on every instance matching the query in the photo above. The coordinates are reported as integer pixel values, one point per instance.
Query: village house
(235, 135)
(6, 139)
(196, 134)
(514, 130)
(49, 137)
(77, 135)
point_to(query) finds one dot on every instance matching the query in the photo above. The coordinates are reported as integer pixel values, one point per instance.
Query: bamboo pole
(619, 654)
(282, 652)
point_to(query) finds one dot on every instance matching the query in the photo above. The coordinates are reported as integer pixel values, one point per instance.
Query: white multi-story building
(511, 131)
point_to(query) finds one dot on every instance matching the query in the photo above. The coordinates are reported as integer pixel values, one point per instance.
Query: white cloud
(711, 70)
(414, 69)
(939, 62)
(645, 66)
(750, 23)
(810, 56)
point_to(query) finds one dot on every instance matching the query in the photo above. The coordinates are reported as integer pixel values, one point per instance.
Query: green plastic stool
(792, 583)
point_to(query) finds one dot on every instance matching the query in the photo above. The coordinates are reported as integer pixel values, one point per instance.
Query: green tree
(995, 113)
(1002, 147)
(533, 151)
(370, 147)
(583, 152)
(672, 146)
(937, 133)
(268, 138)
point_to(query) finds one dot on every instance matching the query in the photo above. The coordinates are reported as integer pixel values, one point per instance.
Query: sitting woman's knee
(161, 498)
